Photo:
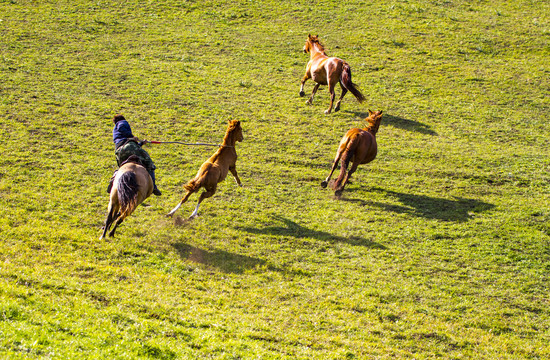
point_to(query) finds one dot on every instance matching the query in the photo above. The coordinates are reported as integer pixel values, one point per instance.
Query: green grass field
(440, 248)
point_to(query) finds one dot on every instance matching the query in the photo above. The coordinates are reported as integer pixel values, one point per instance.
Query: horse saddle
(133, 159)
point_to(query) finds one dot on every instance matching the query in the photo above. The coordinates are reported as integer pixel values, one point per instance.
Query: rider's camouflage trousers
(133, 148)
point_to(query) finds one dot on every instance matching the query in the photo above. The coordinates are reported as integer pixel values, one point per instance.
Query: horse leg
(108, 221)
(304, 79)
(351, 171)
(180, 203)
(118, 222)
(332, 96)
(233, 170)
(310, 100)
(344, 91)
(334, 166)
(354, 166)
(204, 195)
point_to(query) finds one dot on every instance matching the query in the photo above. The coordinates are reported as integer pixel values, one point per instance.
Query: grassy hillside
(439, 249)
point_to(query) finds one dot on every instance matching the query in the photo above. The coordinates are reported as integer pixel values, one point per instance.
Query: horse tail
(345, 79)
(347, 154)
(127, 189)
(192, 185)
(201, 178)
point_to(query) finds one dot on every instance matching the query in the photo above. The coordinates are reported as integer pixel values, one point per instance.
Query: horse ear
(370, 112)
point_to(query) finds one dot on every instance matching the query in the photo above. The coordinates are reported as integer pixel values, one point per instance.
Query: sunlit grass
(439, 248)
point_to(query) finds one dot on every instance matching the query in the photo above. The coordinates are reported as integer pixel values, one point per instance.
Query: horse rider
(126, 145)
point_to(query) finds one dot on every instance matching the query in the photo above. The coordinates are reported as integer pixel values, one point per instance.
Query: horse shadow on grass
(399, 122)
(290, 228)
(224, 261)
(457, 210)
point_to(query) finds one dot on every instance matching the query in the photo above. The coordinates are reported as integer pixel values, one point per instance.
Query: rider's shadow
(224, 261)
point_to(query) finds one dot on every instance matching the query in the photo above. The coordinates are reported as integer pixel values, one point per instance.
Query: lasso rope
(183, 143)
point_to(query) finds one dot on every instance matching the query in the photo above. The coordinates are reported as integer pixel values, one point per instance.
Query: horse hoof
(302, 94)
(324, 184)
(338, 193)
(309, 102)
(327, 112)
(169, 215)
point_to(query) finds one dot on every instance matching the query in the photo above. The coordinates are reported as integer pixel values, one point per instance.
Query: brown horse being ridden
(329, 71)
(131, 186)
(359, 146)
(215, 169)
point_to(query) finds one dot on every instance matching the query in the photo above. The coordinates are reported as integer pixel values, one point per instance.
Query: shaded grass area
(439, 248)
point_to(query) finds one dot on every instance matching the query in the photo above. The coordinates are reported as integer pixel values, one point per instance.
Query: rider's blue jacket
(121, 132)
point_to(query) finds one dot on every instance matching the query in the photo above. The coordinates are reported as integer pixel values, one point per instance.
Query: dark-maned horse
(131, 186)
(329, 71)
(215, 169)
(358, 146)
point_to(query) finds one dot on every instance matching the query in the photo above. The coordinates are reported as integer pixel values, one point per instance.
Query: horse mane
(233, 124)
(370, 124)
(314, 39)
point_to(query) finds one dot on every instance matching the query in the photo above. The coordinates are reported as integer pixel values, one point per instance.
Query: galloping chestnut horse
(215, 169)
(329, 71)
(359, 146)
(131, 186)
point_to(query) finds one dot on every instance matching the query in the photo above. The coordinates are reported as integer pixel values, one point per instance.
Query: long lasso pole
(183, 143)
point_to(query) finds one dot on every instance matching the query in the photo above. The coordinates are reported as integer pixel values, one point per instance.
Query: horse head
(235, 130)
(311, 40)
(373, 121)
